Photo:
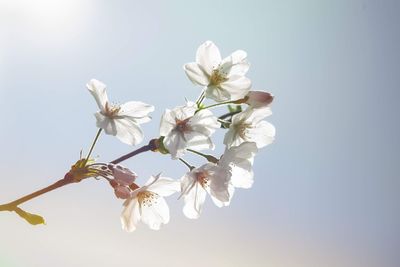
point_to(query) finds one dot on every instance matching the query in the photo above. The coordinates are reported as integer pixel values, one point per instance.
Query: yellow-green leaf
(29, 217)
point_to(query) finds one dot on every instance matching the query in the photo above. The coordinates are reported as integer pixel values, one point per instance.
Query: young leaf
(29, 217)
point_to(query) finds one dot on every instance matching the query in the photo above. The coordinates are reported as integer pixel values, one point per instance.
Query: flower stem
(14, 204)
(200, 98)
(93, 144)
(150, 146)
(209, 158)
(68, 179)
(227, 115)
(186, 163)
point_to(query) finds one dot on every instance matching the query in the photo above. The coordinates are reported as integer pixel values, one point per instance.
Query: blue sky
(326, 193)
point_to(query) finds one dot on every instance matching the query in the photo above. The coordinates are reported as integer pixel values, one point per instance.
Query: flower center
(202, 178)
(182, 126)
(111, 110)
(147, 198)
(217, 77)
(242, 129)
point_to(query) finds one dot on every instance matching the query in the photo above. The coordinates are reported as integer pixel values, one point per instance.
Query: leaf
(233, 109)
(29, 217)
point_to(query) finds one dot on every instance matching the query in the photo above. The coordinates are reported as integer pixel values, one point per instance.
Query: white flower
(248, 126)
(121, 121)
(147, 204)
(183, 128)
(224, 79)
(195, 185)
(239, 160)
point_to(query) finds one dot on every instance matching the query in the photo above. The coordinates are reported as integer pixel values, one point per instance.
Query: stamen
(147, 198)
(202, 178)
(182, 125)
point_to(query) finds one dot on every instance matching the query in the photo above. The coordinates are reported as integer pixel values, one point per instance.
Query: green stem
(93, 144)
(201, 97)
(186, 163)
(209, 158)
(223, 103)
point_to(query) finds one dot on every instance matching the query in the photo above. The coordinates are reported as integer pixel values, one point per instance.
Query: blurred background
(326, 193)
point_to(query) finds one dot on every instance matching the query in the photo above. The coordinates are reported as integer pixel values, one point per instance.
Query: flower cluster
(188, 129)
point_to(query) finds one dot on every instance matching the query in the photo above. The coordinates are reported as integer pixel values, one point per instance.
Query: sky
(326, 192)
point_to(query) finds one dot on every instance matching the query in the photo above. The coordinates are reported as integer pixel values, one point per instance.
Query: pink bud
(259, 99)
(123, 176)
(122, 192)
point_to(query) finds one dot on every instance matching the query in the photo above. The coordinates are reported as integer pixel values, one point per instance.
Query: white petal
(196, 74)
(208, 56)
(167, 122)
(217, 94)
(262, 134)
(137, 110)
(128, 131)
(242, 177)
(155, 214)
(199, 142)
(194, 200)
(98, 91)
(130, 215)
(175, 143)
(164, 186)
(236, 86)
(204, 122)
(235, 64)
(105, 123)
(255, 115)
(220, 204)
(219, 182)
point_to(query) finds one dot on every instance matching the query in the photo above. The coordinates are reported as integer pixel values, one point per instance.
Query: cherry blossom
(147, 204)
(248, 126)
(184, 128)
(122, 120)
(224, 79)
(208, 179)
(239, 160)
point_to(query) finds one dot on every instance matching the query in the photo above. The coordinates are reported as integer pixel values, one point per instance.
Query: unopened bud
(123, 176)
(122, 192)
(259, 99)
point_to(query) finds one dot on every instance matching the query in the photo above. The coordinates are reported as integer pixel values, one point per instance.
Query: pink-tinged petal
(196, 74)
(122, 192)
(98, 91)
(208, 56)
(259, 99)
(123, 176)
(130, 215)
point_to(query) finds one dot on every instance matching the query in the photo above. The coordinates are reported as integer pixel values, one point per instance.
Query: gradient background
(326, 192)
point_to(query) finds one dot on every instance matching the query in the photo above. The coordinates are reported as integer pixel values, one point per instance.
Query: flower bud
(123, 176)
(259, 99)
(122, 192)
